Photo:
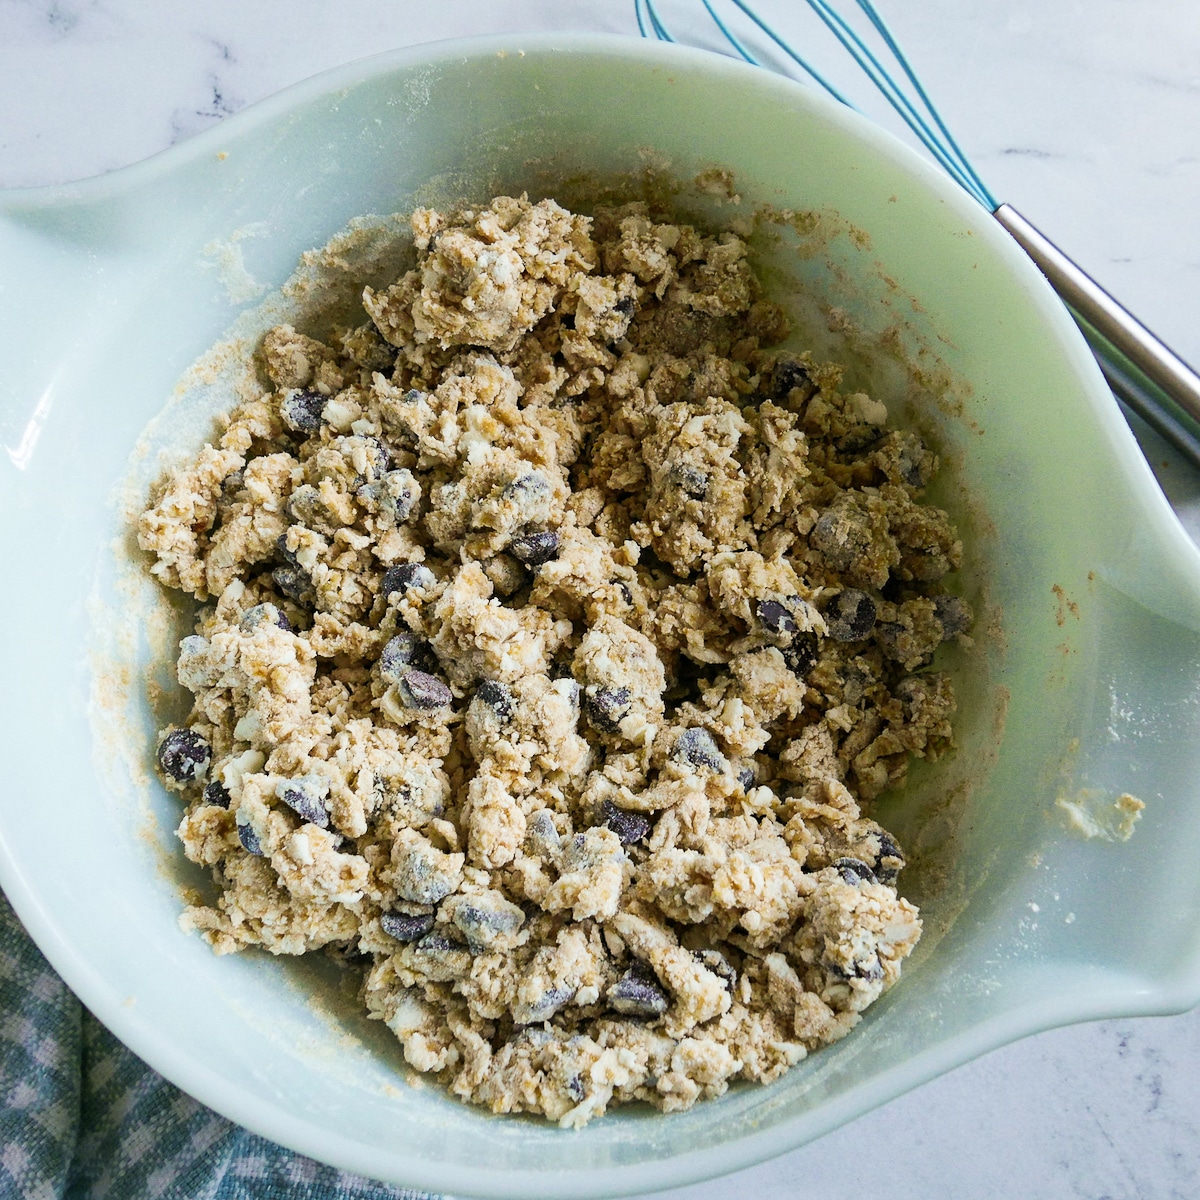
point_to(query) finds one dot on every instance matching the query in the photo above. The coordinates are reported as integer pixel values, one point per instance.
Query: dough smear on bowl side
(554, 626)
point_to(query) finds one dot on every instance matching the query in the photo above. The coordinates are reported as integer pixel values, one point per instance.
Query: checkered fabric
(82, 1118)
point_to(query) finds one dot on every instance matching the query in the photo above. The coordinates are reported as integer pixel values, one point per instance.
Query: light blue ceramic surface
(1086, 674)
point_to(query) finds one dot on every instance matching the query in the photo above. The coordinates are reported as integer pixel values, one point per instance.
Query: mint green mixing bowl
(1085, 677)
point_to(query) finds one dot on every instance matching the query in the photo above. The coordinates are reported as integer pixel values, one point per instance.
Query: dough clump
(555, 627)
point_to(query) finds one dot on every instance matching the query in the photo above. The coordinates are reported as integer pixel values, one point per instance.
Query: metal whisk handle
(1148, 376)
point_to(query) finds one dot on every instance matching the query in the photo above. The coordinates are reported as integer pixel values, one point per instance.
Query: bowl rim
(192, 1074)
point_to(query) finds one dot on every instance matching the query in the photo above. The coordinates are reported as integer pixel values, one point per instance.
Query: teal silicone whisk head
(1146, 376)
(902, 89)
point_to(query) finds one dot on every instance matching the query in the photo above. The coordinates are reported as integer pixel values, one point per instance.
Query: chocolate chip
(406, 927)
(217, 794)
(287, 555)
(497, 696)
(541, 833)
(544, 1007)
(403, 577)
(184, 755)
(854, 870)
(606, 706)
(305, 507)
(775, 617)
(379, 457)
(698, 748)
(249, 838)
(252, 618)
(575, 1088)
(395, 493)
(423, 692)
(851, 616)
(526, 487)
(306, 796)
(432, 943)
(294, 583)
(842, 535)
(801, 653)
(402, 654)
(718, 964)
(788, 374)
(482, 926)
(191, 647)
(690, 480)
(630, 827)
(624, 306)
(746, 778)
(638, 993)
(626, 594)
(533, 549)
(888, 849)
(400, 494)
(421, 878)
(302, 411)
(954, 614)
(870, 969)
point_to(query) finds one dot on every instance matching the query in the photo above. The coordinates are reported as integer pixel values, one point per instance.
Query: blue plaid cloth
(82, 1118)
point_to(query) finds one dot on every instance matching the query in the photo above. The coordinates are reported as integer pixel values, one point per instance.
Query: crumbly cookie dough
(554, 627)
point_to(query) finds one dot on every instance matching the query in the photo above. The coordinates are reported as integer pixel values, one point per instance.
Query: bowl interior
(1081, 680)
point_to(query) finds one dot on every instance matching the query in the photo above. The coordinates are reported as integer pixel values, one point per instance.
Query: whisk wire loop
(881, 27)
(729, 35)
(660, 30)
(792, 53)
(892, 92)
(1145, 375)
(918, 113)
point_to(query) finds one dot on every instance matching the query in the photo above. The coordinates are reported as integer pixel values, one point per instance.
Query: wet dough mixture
(555, 626)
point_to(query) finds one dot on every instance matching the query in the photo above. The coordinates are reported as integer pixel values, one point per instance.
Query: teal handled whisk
(1146, 375)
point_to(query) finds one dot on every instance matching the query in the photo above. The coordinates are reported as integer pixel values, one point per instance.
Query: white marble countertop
(1087, 118)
